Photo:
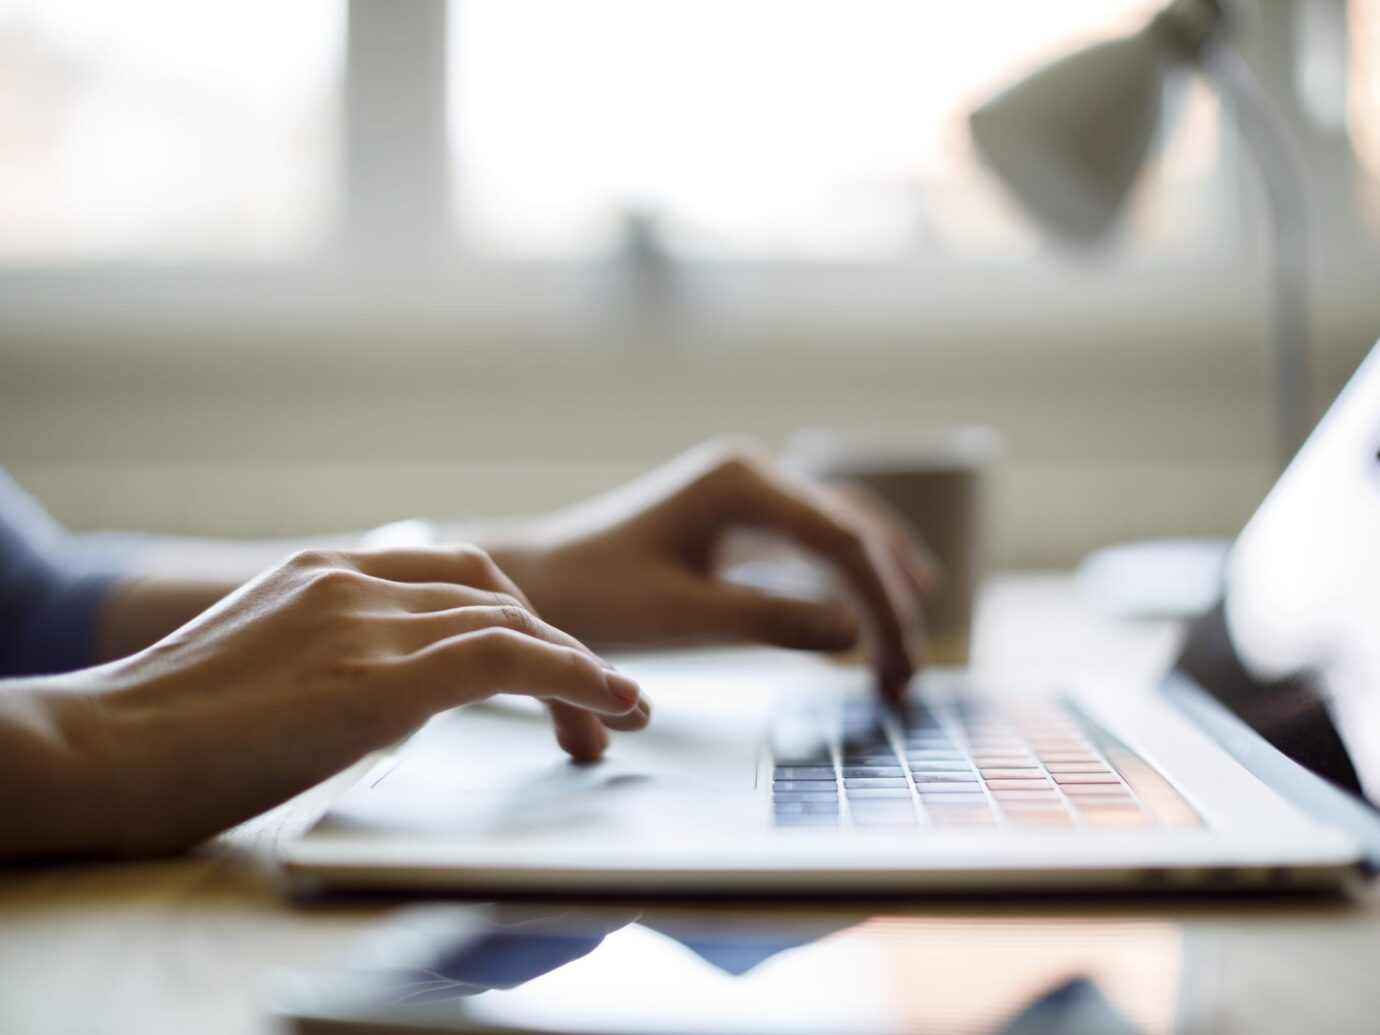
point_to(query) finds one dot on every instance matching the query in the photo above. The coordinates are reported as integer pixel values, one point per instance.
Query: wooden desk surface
(181, 946)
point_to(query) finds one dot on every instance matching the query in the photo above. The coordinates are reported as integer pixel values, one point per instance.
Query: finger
(416, 630)
(870, 574)
(477, 665)
(912, 554)
(584, 736)
(635, 720)
(579, 733)
(726, 609)
(429, 597)
(458, 565)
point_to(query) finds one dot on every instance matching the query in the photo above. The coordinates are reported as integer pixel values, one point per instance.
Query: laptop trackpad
(510, 747)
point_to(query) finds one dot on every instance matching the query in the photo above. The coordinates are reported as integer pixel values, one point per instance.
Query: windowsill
(1110, 317)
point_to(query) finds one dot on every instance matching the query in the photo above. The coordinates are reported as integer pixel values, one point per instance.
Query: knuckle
(738, 448)
(516, 618)
(732, 457)
(327, 585)
(312, 558)
(504, 601)
(741, 456)
(472, 564)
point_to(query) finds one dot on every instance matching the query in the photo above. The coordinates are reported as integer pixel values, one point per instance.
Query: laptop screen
(1294, 647)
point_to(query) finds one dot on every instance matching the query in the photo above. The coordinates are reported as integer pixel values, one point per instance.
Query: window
(160, 129)
(795, 129)
(785, 131)
(1363, 99)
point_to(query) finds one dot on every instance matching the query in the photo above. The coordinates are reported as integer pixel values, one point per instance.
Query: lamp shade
(1069, 139)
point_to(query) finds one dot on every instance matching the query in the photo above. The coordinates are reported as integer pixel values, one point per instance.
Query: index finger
(768, 501)
(462, 565)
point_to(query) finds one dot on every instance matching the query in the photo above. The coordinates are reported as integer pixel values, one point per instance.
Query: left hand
(637, 565)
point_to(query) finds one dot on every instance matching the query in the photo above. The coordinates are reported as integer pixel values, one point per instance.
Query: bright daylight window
(162, 129)
(829, 129)
(1363, 98)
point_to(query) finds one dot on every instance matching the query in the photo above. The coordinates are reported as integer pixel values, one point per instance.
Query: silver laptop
(1254, 763)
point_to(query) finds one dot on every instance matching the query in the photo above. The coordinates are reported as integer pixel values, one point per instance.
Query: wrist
(61, 799)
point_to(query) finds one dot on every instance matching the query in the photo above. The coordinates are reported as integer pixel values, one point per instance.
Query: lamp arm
(1269, 141)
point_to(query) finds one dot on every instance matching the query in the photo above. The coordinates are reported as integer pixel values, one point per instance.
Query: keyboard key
(878, 807)
(853, 772)
(1012, 774)
(1080, 791)
(935, 766)
(1017, 785)
(1034, 794)
(884, 819)
(946, 755)
(1077, 767)
(851, 784)
(815, 752)
(963, 818)
(1005, 761)
(996, 747)
(1051, 803)
(898, 822)
(857, 793)
(864, 740)
(802, 785)
(949, 789)
(1064, 779)
(800, 808)
(803, 772)
(930, 778)
(829, 795)
(876, 758)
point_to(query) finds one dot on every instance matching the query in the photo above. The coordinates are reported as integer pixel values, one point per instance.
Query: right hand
(305, 670)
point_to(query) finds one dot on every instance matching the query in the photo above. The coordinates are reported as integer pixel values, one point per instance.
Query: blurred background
(268, 268)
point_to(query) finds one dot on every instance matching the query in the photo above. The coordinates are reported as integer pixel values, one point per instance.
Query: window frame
(399, 262)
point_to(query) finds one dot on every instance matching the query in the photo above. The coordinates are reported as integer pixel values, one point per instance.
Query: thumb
(739, 612)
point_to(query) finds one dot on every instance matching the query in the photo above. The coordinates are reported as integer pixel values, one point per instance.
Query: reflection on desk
(759, 973)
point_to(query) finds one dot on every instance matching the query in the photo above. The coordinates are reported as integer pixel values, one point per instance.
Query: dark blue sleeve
(52, 587)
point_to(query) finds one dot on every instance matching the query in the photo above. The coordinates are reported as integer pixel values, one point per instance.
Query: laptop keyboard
(968, 764)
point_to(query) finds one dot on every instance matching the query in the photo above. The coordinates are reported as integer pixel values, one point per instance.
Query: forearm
(175, 579)
(141, 611)
(49, 803)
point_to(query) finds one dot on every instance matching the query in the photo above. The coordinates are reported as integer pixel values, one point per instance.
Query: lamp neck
(1188, 25)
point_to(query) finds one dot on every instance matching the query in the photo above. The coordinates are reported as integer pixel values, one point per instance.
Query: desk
(179, 946)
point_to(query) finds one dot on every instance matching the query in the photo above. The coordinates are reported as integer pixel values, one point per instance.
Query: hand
(638, 565)
(308, 668)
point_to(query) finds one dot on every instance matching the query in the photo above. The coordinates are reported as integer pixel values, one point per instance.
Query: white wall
(1131, 402)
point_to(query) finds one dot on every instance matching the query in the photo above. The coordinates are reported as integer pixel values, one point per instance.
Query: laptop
(1253, 764)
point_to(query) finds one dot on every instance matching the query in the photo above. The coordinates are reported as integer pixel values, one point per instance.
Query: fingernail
(623, 688)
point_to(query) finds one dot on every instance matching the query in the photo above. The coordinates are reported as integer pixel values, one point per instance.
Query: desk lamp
(1068, 142)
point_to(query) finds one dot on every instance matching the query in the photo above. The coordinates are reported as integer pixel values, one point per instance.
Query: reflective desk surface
(183, 945)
